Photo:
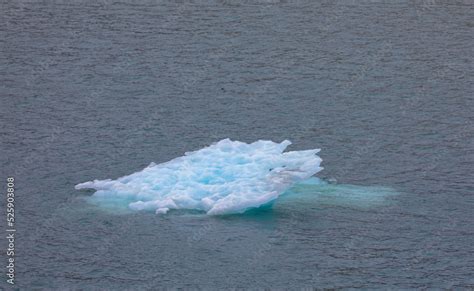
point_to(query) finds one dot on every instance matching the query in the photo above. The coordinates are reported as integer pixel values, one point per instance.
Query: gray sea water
(100, 90)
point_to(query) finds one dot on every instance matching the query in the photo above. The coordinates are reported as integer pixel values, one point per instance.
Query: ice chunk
(226, 177)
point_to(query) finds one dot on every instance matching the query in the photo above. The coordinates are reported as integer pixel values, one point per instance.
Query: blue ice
(223, 178)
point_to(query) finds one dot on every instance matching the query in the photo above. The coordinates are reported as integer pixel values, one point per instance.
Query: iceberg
(226, 177)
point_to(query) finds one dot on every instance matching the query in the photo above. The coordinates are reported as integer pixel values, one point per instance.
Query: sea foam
(223, 178)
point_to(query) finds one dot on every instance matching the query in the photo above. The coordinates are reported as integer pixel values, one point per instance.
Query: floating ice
(226, 177)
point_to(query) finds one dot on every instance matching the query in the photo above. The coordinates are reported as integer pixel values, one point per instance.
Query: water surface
(96, 91)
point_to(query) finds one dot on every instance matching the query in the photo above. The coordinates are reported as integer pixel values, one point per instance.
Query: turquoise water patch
(315, 191)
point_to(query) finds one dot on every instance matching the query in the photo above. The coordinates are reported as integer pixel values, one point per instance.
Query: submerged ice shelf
(226, 177)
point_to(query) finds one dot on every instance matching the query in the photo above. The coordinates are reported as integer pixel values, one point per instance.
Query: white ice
(226, 177)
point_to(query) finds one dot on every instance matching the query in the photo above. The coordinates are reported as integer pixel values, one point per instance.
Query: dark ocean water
(96, 91)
